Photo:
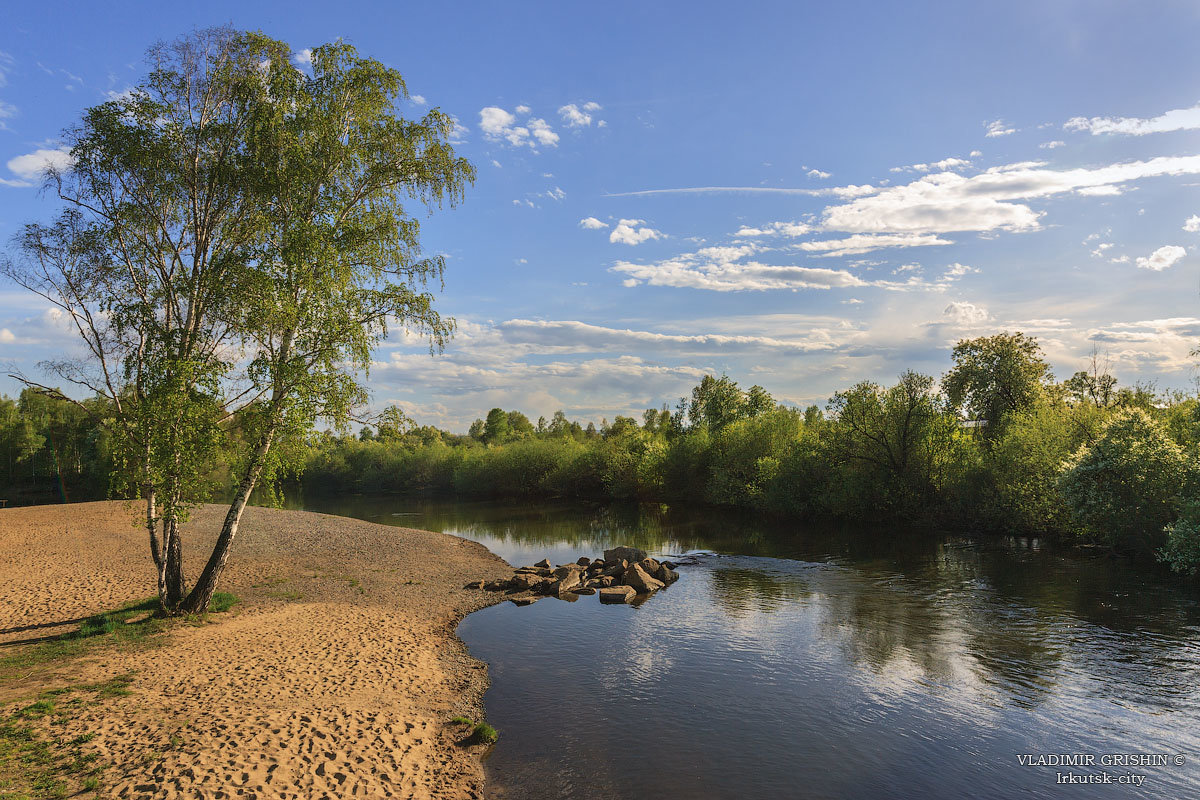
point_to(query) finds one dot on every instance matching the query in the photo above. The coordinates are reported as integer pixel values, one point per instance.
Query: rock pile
(619, 577)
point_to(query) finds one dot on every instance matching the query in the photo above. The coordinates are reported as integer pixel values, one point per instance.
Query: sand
(336, 676)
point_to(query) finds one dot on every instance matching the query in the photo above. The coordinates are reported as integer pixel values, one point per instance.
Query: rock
(617, 594)
(596, 565)
(534, 570)
(584, 561)
(616, 568)
(636, 577)
(630, 554)
(471, 585)
(567, 569)
(605, 580)
(649, 564)
(584, 590)
(526, 580)
(523, 600)
(666, 574)
(566, 581)
(496, 586)
(544, 563)
(668, 564)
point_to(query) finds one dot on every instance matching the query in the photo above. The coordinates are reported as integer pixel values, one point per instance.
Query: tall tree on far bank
(234, 243)
(996, 375)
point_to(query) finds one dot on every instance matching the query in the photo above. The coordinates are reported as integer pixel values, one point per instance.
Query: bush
(1182, 550)
(1126, 487)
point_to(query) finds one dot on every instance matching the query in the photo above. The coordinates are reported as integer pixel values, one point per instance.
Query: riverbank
(338, 672)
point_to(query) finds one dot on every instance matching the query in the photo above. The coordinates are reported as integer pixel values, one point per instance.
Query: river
(808, 662)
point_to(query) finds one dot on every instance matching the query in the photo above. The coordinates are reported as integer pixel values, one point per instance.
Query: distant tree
(897, 438)
(393, 424)
(519, 426)
(476, 431)
(716, 402)
(541, 426)
(996, 375)
(495, 428)
(590, 432)
(758, 401)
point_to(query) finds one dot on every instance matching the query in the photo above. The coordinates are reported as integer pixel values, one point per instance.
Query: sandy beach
(335, 676)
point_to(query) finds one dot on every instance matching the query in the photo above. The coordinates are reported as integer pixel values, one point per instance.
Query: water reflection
(856, 658)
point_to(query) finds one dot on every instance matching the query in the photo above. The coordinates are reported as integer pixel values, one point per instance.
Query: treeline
(996, 445)
(52, 449)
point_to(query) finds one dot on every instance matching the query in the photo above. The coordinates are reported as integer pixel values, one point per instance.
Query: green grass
(463, 721)
(37, 765)
(222, 602)
(485, 733)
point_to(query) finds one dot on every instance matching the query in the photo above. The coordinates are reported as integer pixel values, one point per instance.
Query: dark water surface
(805, 663)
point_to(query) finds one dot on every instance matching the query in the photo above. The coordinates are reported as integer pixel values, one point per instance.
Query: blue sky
(801, 195)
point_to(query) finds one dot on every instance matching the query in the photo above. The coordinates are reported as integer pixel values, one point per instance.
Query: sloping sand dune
(335, 677)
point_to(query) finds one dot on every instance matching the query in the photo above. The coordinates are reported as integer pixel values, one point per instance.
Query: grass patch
(36, 765)
(485, 733)
(222, 602)
(463, 721)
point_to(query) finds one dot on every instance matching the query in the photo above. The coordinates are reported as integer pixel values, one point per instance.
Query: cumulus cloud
(1180, 119)
(303, 57)
(819, 174)
(1192, 224)
(418, 99)
(628, 232)
(575, 117)
(948, 202)
(965, 314)
(499, 125)
(31, 167)
(998, 128)
(592, 224)
(1162, 258)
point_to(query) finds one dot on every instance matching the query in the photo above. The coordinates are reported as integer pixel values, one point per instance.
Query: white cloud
(592, 224)
(458, 134)
(861, 243)
(499, 125)
(628, 232)
(941, 166)
(1162, 258)
(418, 99)
(576, 117)
(948, 202)
(1192, 225)
(1052, 145)
(558, 336)
(816, 173)
(7, 336)
(31, 167)
(7, 111)
(556, 194)
(776, 229)
(966, 314)
(1180, 119)
(496, 164)
(303, 57)
(998, 128)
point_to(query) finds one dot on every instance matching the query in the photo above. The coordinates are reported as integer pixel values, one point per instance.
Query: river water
(800, 662)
